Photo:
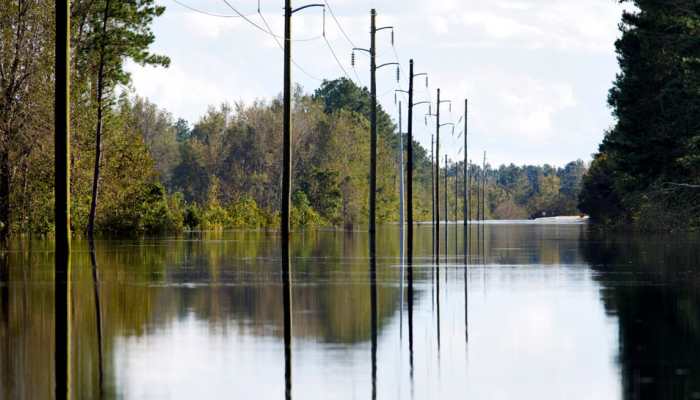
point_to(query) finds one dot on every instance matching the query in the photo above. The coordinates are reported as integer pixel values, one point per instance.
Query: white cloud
(536, 71)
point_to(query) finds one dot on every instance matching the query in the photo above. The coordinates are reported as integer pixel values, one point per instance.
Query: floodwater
(540, 312)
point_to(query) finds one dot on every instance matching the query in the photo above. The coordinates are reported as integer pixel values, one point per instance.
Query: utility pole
(287, 117)
(437, 180)
(456, 212)
(466, 188)
(432, 185)
(62, 207)
(483, 189)
(447, 214)
(373, 136)
(373, 126)
(401, 193)
(409, 167)
(409, 155)
(436, 251)
(287, 122)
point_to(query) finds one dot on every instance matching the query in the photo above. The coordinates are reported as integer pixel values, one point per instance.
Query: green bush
(302, 214)
(145, 210)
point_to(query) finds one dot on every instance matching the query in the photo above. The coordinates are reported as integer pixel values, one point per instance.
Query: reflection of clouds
(187, 359)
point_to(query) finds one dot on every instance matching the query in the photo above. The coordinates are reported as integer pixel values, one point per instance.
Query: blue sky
(536, 72)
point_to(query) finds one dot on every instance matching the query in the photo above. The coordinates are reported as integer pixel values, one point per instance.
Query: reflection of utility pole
(373, 130)
(287, 116)
(287, 308)
(62, 207)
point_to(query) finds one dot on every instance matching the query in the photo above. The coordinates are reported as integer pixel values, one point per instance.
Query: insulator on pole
(426, 120)
(426, 81)
(352, 59)
(394, 98)
(450, 107)
(398, 74)
(430, 109)
(392, 37)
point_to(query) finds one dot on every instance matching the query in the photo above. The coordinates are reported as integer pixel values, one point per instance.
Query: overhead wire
(299, 67)
(197, 10)
(330, 9)
(325, 39)
(267, 31)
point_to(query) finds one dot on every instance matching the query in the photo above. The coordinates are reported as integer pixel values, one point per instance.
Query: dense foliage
(139, 170)
(647, 169)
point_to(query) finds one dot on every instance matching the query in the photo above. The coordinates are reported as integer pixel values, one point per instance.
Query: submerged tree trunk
(98, 129)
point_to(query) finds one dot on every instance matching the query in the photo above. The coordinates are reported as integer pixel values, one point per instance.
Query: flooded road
(539, 312)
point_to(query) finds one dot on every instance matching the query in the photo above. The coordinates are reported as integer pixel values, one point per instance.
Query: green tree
(656, 101)
(120, 31)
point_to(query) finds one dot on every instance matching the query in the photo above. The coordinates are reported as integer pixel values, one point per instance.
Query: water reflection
(287, 305)
(651, 286)
(373, 319)
(567, 314)
(63, 311)
(98, 316)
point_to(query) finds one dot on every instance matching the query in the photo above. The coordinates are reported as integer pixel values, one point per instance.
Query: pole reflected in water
(98, 315)
(437, 302)
(287, 304)
(466, 299)
(62, 295)
(409, 271)
(373, 305)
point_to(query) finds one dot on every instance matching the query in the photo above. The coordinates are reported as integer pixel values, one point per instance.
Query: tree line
(135, 168)
(647, 170)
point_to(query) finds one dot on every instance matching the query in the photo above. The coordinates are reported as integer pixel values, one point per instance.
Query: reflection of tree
(651, 285)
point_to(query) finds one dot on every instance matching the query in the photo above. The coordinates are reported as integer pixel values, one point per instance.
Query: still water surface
(541, 312)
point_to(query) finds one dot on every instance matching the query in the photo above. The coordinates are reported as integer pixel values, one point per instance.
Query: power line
(339, 25)
(269, 30)
(248, 20)
(211, 14)
(336, 57)
(303, 71)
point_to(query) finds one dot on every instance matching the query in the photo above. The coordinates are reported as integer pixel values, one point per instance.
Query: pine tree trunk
(98, 129)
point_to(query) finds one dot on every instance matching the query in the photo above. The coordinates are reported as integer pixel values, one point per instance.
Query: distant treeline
(647, 171)
(156, 173)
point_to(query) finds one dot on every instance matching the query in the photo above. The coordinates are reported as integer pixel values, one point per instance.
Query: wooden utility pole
(373, 127)
(456, 211)
(483, 189)
(62, 201)
(287, 122)
(432, 185)
(466, 187)
(401, 191)
(409, 166)
(447, 214)
(409, 157)
(437, 179)
(373, 136)
(287, 117)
